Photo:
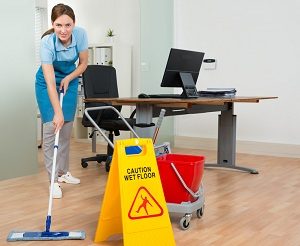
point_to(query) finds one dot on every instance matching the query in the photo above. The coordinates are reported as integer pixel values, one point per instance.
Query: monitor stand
(188, 86)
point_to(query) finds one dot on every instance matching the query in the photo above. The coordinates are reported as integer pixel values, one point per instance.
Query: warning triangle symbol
(144, 205)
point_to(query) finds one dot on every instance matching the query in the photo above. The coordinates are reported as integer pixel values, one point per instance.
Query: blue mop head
(45, 236)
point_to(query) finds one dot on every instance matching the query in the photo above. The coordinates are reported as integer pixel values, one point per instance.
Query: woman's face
(63, 27)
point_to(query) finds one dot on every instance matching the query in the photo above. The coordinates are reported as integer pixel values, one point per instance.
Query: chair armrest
(99, 112)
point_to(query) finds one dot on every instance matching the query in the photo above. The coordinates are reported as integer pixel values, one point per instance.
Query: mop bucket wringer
(181, 178)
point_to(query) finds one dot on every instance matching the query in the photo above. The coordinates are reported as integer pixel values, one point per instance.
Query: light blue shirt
(51, 50)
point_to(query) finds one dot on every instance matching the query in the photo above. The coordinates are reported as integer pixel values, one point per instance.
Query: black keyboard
(200, 94)
(164, 96)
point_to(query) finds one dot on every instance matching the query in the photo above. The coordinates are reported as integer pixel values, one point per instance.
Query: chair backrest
(100, 82)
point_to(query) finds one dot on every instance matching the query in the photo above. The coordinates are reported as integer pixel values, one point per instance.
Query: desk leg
(227, 143)
(144, 115)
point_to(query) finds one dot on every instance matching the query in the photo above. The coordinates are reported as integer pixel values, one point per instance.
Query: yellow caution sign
(134, 203)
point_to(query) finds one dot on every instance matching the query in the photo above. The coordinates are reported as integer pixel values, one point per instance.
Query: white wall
(256, 44)
(127, 26)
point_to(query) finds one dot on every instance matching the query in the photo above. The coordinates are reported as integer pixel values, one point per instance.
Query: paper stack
(218, 92)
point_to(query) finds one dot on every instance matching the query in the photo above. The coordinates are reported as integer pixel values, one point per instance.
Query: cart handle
(194, 194)
(98, 128)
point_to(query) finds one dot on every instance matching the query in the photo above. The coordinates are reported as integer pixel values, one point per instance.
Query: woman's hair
(57, 11)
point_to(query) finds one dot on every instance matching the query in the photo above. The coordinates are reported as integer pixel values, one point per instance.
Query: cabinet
(113, 54)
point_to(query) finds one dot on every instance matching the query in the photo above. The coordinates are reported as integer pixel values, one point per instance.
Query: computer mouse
(143, 95)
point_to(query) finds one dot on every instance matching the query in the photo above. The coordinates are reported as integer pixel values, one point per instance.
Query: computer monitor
(182, 70)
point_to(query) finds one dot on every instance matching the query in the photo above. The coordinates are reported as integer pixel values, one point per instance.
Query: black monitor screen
(181, 61)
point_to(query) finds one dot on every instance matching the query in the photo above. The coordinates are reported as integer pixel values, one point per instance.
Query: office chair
(101, 82)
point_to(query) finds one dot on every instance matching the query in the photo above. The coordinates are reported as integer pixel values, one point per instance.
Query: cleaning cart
(181, 175)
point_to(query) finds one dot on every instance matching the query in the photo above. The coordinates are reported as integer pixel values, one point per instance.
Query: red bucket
(189, 167)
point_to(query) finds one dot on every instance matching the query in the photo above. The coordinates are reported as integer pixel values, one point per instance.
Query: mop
(47, 234)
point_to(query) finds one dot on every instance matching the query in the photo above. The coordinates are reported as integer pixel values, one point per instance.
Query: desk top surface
(175, 102)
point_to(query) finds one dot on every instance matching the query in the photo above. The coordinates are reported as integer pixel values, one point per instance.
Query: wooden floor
(240, 208)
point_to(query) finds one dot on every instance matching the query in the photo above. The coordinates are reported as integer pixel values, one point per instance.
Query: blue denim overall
(61, 70)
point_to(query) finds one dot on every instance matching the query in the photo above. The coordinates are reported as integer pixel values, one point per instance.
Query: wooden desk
(147, 108)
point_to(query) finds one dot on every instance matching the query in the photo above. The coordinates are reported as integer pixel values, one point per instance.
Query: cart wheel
(166, 150)
(107, 163)
(184, 223)
(84, 164)
(200, 212)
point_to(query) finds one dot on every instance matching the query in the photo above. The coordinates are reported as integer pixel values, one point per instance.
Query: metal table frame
(147, 108)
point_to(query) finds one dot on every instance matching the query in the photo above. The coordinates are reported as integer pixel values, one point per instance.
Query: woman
(61, 47)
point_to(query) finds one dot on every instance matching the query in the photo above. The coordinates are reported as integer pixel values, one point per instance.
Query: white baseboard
(248, 147)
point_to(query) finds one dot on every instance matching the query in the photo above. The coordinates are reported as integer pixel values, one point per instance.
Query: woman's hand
(58, 121)
(64, 84)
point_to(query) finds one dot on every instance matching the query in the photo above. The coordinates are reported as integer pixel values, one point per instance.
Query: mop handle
(48, 221)
(158, 124)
